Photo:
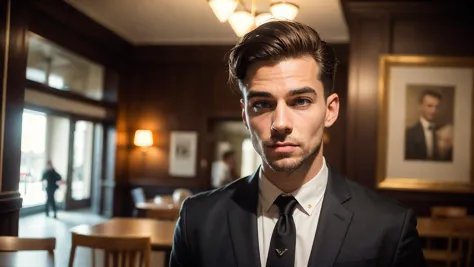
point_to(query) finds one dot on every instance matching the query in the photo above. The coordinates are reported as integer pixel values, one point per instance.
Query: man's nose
(281, 121)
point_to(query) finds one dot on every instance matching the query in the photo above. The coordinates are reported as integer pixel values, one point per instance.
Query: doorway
(74, 146)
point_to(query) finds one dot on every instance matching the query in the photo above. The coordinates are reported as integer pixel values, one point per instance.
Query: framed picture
(183, 153)
(425, 135)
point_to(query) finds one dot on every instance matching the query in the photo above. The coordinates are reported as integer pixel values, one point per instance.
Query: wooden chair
(138, 196)
(464, 229)
(448, 212)
(119, 251)
(441, 229)
(12, 244)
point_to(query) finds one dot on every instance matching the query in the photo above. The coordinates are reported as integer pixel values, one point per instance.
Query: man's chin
(285, 164)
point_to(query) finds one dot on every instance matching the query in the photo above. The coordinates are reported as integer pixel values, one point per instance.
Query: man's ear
(244, 118)
(332, 110)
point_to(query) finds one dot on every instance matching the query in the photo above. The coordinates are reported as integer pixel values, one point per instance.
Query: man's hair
(226, 155)
(430, 92)
(280, 40)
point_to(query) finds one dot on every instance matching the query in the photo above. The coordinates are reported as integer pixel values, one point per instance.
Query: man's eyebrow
(303, 90)
(299, 91)
(253, 94)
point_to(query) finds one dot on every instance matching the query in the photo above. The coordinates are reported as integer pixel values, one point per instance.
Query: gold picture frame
(401, 77)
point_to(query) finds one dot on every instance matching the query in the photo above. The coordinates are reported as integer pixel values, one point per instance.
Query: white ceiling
(151, 22)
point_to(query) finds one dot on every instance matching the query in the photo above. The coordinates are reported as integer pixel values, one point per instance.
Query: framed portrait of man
(425, 127)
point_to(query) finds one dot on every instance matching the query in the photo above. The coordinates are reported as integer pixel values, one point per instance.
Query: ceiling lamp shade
(284, 10)
(223, 9)
(241, 22)
(262, 18)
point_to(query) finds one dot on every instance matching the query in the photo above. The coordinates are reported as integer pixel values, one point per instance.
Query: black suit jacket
(356, 228)
(415, 143)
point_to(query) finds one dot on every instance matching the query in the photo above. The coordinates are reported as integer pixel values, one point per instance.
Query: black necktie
(283, 242)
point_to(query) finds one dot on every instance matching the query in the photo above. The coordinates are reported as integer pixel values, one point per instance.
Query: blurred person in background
(223, 171)
(52, 179)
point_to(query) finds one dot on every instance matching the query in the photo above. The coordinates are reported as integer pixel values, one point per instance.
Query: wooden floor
(39, 225)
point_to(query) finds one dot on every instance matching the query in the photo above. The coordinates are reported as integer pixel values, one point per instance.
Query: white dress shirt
(306, 214)
(428, 136)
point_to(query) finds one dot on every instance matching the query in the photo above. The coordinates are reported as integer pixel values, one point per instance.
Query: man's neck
(290, 181)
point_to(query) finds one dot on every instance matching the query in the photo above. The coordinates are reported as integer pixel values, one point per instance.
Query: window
(58, 68)
(82, 154)
(33, 157)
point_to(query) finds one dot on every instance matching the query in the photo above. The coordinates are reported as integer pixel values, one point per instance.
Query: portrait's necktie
(283, 242)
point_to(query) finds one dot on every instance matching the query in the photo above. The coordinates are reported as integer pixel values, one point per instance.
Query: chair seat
(441, 255)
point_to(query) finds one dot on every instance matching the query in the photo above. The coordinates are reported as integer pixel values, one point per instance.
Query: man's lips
(282, 147)
(282, 144)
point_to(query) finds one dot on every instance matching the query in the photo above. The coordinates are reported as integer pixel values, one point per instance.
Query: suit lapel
(333, 223)
(242, 221)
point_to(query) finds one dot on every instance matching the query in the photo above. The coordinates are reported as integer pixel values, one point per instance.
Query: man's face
(429, 107)
(284, 108)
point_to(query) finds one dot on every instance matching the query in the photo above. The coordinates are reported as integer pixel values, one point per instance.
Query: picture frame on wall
(425, 123)
(183, 153)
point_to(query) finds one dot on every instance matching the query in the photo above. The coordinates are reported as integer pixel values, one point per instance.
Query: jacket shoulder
(216, 196)
(367, 200)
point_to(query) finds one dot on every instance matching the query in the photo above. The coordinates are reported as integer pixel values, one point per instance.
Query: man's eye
(302, 101)
(260, 105)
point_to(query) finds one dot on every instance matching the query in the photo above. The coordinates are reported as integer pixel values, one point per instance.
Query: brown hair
(279, 40)
(430, 92)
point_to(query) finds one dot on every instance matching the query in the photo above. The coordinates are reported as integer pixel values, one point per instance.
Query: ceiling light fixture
(284, 10)
(223, 9)
(243, 21)
(262, 18)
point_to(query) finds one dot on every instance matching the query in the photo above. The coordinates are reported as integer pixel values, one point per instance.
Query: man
(420, 139)
(223, 171)
(294, 210)
(52, 178)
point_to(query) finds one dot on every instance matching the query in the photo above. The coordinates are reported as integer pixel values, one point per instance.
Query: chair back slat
(118, 250)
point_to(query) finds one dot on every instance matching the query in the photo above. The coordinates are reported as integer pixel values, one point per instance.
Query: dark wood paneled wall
(429, 28)
(13, 25)
(185, 88)
(67, 27)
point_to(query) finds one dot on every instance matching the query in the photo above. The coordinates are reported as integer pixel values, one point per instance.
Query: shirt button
(309, 206)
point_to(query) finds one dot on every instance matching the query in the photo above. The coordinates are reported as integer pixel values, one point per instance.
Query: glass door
(81, 165)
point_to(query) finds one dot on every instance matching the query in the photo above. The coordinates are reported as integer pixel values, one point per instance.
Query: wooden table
(160, 232)
(26, 259)
(165, 209)
(433, 228)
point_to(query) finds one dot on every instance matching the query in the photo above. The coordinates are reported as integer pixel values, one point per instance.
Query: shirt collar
(308, 196)
(426, 124)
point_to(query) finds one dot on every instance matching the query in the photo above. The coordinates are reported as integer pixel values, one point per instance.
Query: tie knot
(286, 204)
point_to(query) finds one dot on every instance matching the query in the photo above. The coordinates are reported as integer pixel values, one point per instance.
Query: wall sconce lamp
(143, 139)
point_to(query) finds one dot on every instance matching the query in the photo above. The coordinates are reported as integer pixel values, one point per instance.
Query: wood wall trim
(5, 41)
(80, 23)
(62, 24)
(10, 201)
(10, 205)
(68, 94)
(405, 8)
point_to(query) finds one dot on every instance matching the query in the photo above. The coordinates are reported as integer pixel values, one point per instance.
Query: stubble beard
(305, 160)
